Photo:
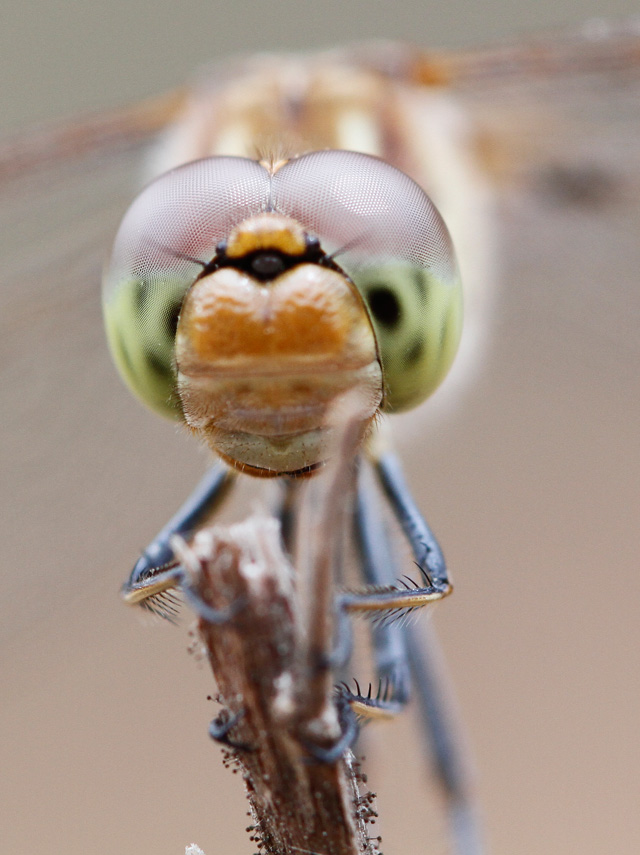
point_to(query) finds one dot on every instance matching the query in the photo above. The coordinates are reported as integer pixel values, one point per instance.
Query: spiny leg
(157, 572)
(426, 549)
(395, 643)
(386, 600)
(377, 565)
(405, 594)
(221, 727)
(433, 583)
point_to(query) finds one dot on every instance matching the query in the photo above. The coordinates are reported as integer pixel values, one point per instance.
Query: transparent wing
(63, 190)
(559, 124)
(564, 100)
(63, 186)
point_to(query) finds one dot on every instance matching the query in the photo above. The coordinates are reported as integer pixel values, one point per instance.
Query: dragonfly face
(246, 297)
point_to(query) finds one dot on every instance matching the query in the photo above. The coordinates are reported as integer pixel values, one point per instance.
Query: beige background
(532, 486)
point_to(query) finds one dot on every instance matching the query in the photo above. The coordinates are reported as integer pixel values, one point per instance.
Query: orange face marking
(309, 314)
(267, 231)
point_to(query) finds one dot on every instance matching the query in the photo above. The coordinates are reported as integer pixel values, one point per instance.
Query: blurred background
(531, 484)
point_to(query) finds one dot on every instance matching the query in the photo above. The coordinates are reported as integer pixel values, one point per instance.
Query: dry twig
(271, 662)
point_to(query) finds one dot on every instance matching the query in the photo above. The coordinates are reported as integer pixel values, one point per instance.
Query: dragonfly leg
(439, 722)
(376, 561)
(285, 511)
(407, 593)
(157, 572)
(402, 654)
(426, 549)
(384, 600)
(349, 730)
(219, 731)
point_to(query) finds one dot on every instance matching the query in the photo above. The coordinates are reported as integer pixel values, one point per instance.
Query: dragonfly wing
(63, 187)
(547, 101)
(563, 149)
(63, 190)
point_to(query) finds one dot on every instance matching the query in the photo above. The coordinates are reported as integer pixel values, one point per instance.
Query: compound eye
(384, 231)
(167, 236)
(418, 321)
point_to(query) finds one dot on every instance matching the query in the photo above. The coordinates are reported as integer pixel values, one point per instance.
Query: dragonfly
(396, 112)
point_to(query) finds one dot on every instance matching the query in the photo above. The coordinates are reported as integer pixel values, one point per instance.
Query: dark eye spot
(384, 306)
(172, 320)
(157, 366)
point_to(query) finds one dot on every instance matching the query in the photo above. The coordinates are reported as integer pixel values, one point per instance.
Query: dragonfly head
(245, 299)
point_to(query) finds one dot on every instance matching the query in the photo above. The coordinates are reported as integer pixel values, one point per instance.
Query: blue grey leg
(157, 572)
(439, 725)
(426, 549)
(378, 570)
(401, 645)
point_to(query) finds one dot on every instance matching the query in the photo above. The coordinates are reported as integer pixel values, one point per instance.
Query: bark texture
(267, 666)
